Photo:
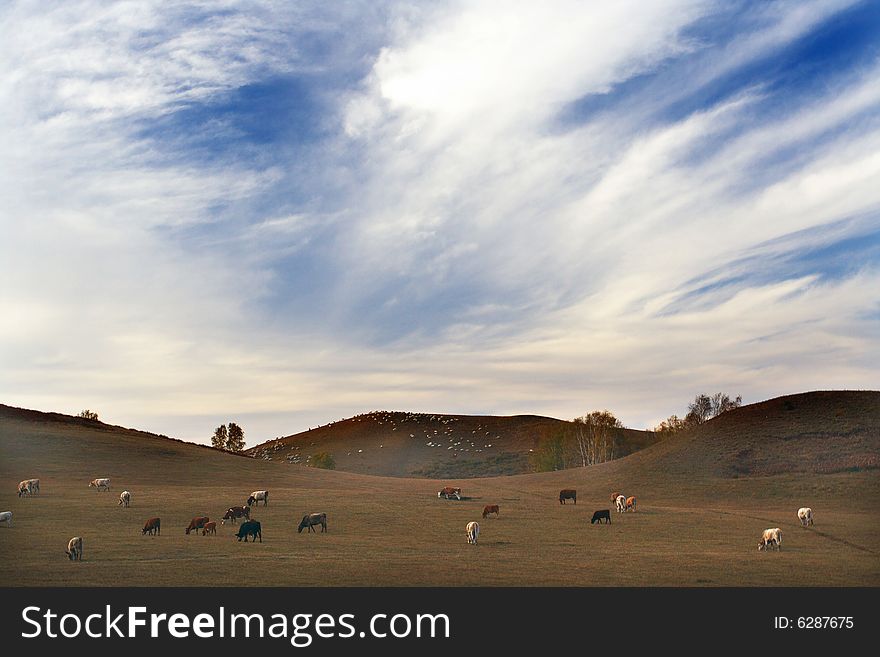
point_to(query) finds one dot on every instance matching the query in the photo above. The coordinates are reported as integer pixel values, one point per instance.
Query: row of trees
(586, 441)
(702, 409)
(228, 437)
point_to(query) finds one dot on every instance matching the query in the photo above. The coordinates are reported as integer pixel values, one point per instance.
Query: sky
(286, 213)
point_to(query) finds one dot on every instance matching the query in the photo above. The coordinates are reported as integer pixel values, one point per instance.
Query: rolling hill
(704, 498)
(400, 444)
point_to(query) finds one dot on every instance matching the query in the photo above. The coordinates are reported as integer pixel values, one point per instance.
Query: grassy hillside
(699, 515)
(399, 444)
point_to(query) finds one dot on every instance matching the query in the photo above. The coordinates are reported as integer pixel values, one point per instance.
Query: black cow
(250, 528)
(568, 494)
(598, 516)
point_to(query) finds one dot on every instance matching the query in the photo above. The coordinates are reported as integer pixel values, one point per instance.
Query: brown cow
(631, 503)
(153, 525)
(449, 491)
(614, 496)
(234, 512)
(490, 508)
(209, 528)
(568, 494)
(197, 523)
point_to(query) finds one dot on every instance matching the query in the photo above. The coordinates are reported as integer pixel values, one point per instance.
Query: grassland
(702, 506)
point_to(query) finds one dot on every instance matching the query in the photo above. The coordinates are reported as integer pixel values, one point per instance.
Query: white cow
(34, 486)
(258, 496)
(6, 517)
(621, 503)
(770, 538)
(74, 549)
(473, 532)
(25, 487)
(100, 484)
(805, 515)
(124, 498)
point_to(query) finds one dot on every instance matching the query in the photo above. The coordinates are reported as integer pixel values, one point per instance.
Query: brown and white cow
(473, 532)
(631, 504)
(805, 515)
(235, 512)
(450, 492)
(620, 503)
(124, 499)
(490, 508)
(310, 520)
(101, 483)
(153, 525)
(197, 523)
(771, 538)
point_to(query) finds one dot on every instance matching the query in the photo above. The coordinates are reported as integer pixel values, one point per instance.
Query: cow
(620, 503)
(250, 528)
(209, 528)
(197, 523)
(614, 496)
(490, 508)
(598, 516)
(449, 491)
(805, 515)
(235, 512)
(258, 496)
(310, 520)
(568, 494)
(74, 549)
(33, 486)
(472, 531)
(631, 504)
(770, 538)
(25, 487)
(124, 499)
(152, 525)
(100, 484)
(6, 517)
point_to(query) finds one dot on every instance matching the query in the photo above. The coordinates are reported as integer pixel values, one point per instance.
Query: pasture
(691, 528)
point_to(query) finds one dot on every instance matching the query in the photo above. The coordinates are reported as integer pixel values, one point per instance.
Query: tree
(221, 435)
(670, 426)
(553, 453)
(324, 460)
(594, 436)
(88, 415)
(704, 407)
(235, 439)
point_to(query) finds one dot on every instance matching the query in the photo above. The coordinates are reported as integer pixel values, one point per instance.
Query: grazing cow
(770, 538)
(74, 549)
(449, 491)
(598, 516)
(631, 504)
(805, 515)
(6, 517)
(473, 532)
(614, 496)
(310, 520)
(250, 528)
(490, 508)
(100, 484)
(209, 528)
(25, 487)
(124, 499)
(197, 523)
(152, 525)
(258, 496)
(235, 512)
(620, 503)
(568, 494)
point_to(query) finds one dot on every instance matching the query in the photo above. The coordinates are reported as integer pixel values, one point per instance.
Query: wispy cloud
(291, 213)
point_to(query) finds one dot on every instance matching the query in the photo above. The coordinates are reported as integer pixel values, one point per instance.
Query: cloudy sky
(283, 213)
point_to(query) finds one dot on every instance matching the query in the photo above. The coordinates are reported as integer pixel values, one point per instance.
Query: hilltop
(403, 444)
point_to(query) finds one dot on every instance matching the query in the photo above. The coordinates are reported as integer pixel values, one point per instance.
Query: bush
(88, 415)
(323, 460)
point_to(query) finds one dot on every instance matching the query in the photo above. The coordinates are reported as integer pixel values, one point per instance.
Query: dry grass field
(704, 499)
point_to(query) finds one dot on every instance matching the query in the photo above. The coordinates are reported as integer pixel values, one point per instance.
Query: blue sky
(287, 213)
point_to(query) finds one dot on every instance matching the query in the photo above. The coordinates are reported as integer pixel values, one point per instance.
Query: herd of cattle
(770, 539)
(153, 526)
